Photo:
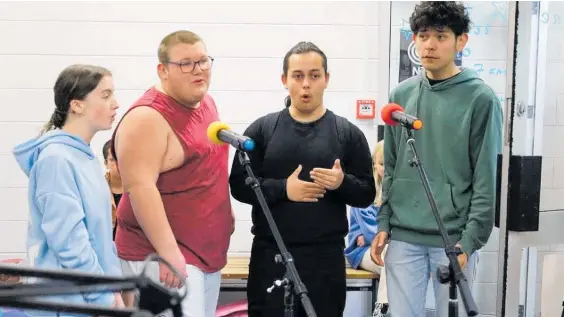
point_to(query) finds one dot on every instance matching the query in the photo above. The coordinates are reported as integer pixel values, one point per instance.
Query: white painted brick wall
(553, 155)
(248, 41)
(552, 186)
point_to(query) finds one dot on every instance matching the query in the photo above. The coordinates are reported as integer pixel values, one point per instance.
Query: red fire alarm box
(365, 109)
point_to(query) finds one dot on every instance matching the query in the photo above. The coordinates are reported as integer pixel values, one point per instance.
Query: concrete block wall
(552, 179)
(553, 155)
(248, 41)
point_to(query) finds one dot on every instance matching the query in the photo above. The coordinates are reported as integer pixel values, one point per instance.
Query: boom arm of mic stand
(456, 276)
(155, 298)
(296, 283)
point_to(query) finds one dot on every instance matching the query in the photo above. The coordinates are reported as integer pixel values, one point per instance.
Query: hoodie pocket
(412, 210)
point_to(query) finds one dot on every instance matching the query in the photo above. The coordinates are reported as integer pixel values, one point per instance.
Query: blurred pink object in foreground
(10, 279)
(234, 309)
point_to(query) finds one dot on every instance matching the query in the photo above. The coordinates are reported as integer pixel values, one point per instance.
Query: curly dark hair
(440, 14)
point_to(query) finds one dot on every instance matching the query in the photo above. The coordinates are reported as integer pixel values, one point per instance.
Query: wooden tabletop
(238, 268)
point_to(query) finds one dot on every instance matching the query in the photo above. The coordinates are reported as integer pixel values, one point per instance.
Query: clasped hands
(323, 179)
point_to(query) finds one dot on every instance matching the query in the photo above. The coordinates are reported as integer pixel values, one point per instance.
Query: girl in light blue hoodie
(70, 225)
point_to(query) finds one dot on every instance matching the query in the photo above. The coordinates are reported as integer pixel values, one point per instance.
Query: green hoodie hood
(464, 76)
(458, 147)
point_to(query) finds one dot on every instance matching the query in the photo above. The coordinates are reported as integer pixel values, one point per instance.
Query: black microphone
(220, 133)
(393, 114)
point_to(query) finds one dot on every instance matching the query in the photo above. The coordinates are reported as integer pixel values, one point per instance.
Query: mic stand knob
(277, 283)
(443, 274)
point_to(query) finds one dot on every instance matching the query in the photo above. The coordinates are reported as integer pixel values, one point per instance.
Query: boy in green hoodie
(458, 148)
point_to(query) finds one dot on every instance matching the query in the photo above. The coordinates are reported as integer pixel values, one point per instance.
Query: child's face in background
(380, 164)
(111, 165)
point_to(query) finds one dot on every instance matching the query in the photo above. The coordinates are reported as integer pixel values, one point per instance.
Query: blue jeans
(408, 269)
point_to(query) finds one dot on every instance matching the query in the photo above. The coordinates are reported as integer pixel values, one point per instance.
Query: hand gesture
(377, 247)
(462, 258)
(166, 275)
(329, 178)
(300, 191)
(360, 241)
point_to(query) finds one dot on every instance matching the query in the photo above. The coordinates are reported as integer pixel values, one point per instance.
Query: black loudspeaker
(523, 199)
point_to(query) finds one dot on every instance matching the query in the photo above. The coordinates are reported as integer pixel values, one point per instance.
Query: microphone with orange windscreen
(393, 114)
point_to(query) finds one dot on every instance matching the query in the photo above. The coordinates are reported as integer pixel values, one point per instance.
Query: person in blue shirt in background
(363, 228)
(70, 224)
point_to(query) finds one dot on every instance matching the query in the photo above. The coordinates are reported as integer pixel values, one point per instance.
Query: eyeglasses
(189, 66)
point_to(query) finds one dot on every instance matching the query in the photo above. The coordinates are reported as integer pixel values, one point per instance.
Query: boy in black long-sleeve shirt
(310, 163)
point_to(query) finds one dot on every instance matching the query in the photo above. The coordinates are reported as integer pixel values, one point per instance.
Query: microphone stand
(293, 285)
(453, 273)
(154, 298)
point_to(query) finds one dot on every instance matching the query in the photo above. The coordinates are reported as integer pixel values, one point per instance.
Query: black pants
(321, 268)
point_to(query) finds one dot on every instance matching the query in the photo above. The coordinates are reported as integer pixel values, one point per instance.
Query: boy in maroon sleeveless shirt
(176, 200)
